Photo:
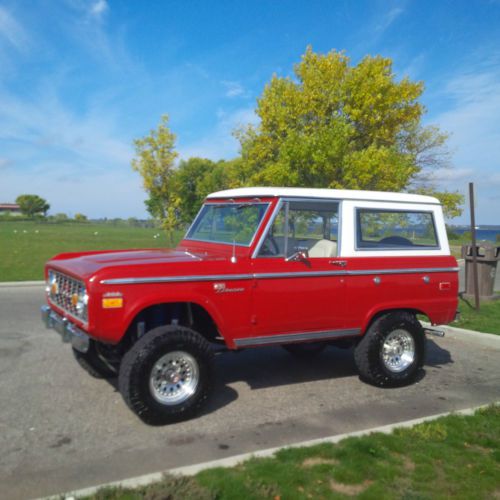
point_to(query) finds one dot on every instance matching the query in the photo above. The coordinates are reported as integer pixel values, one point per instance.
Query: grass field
(25, 246)
(452, 457)
(486, 320)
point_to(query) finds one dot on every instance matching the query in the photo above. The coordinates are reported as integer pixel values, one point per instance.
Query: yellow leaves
(340, 125)
(154, 161)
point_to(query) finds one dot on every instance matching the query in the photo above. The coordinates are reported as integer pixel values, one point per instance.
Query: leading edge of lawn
(453, 456)
(486, 320)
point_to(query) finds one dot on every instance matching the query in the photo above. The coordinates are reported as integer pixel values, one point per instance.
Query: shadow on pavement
(436, 355)
(272, 366)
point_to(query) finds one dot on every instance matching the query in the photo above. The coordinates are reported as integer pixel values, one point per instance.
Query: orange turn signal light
(112, 302)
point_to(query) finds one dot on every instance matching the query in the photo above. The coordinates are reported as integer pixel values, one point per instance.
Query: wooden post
(474, 245)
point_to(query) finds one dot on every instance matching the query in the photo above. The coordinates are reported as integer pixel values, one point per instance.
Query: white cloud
(12, 31)
(4, 162)
(388, 19)
(46, 122)
(220, 143)
(233, 89)
(99, 8)
(473, 119)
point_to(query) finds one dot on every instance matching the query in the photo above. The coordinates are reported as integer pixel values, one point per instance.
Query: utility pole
(474, 245)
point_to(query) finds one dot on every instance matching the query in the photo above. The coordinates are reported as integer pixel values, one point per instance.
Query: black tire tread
(367, 352)
(128, 380)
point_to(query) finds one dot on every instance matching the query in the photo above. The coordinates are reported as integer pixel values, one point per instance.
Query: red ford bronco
(301, 268)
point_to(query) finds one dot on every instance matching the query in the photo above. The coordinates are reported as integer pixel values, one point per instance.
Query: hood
(86, 264)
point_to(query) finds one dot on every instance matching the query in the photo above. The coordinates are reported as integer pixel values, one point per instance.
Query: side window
(308, 226)
(395, 229)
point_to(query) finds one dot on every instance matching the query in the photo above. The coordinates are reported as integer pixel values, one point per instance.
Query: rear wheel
(392, 351)
(167, 375)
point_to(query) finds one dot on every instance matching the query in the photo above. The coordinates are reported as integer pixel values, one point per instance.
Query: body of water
(489, 234)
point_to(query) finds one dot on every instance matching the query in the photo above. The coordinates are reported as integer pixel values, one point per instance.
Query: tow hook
(434, 332)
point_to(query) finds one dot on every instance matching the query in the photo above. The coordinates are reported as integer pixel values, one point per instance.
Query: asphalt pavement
(62, 430)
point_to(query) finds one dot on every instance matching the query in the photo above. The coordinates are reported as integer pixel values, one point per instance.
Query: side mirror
(300, 255)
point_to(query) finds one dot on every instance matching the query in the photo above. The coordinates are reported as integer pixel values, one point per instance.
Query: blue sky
(80, 79)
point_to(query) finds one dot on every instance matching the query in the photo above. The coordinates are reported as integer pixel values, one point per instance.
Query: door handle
(341, 263)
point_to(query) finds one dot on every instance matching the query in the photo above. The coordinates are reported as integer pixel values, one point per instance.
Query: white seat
(323, 248)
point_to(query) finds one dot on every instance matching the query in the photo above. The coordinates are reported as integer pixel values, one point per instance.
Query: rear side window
(395, 229)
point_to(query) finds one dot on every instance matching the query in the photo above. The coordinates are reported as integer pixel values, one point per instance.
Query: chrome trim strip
(300, 274)
(296, 337)
(178, 279)
(415, 270)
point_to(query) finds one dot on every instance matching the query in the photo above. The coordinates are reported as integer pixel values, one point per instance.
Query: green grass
(487, 319)
(452, 457)
(25, 246)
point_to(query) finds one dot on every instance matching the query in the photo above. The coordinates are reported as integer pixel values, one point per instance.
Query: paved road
(60, 429)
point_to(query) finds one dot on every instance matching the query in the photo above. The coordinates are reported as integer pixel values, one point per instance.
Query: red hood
(86, 264)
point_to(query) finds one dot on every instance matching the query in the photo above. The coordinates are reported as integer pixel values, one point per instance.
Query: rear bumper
(67, 330)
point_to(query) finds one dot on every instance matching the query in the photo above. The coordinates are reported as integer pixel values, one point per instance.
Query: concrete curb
(5, 284)
(191, 470)
(461, 331)
(453, 330)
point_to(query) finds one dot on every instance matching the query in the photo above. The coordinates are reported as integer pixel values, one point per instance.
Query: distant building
(10, 208)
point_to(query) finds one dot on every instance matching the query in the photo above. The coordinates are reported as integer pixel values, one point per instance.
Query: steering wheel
(397, 240)
(269, 247)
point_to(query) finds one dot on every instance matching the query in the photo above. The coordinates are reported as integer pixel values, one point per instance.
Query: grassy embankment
(25, 246)
(453, 457)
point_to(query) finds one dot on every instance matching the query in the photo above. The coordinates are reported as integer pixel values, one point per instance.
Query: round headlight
(52, 287)
(81, 301)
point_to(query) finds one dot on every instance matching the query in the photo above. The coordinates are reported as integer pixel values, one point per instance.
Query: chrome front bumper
(69, 332)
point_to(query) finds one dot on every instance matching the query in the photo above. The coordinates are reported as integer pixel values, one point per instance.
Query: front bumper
(68, 331)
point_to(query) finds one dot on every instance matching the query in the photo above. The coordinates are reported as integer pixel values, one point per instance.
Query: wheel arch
(184, 313)
(375, 315)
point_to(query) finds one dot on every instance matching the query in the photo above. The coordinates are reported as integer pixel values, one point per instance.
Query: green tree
(32, 205)
(339, 125)
(80, 217)
(195, 178)
(155, 158)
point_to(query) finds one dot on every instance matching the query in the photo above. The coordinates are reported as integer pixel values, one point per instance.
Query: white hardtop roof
(339, 194)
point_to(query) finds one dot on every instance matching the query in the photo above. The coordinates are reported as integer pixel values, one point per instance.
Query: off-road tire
(307, 350)
(137, 365)
(93, 364)
(368, 352)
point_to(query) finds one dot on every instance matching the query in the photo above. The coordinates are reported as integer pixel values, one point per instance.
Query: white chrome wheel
(174, 378)
(398, 351)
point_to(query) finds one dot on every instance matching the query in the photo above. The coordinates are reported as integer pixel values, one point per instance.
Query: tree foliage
(155, 160)
(80, 217)
(32, 205)
(342, 126)
(195, 178)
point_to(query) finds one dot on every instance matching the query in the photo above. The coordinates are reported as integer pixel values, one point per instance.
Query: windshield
(228, 223)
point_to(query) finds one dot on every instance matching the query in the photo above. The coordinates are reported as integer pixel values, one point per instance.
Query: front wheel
(392, 351)
(167, 375)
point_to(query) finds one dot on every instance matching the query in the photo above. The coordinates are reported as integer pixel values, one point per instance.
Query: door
(299, 277)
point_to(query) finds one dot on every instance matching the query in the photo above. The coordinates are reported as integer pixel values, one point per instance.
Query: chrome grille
(61, 289)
